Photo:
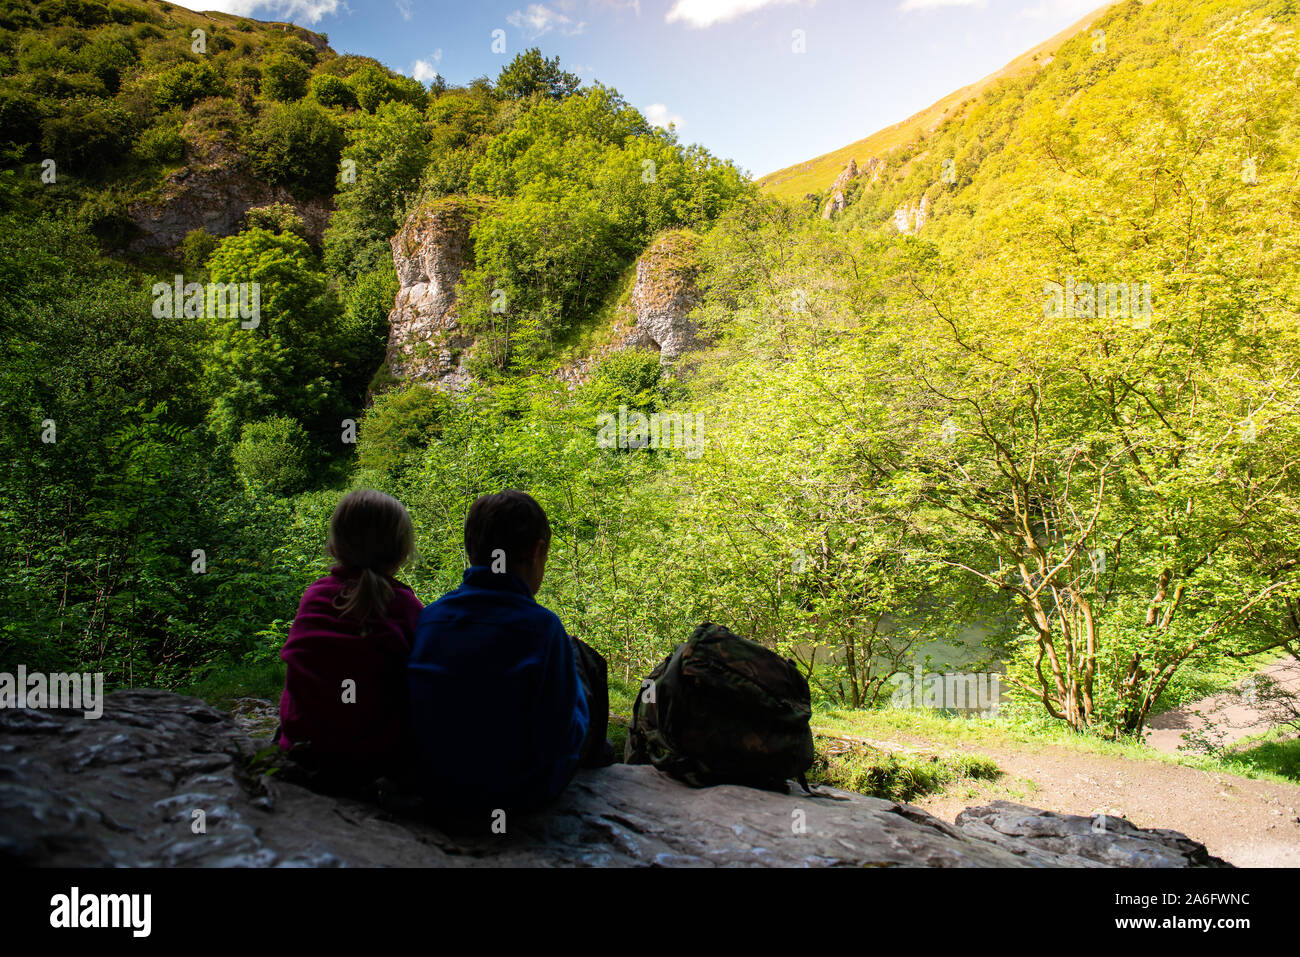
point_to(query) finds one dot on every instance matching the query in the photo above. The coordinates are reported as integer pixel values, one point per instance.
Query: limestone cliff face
(848, 174)
(655, 315)
(910, 217)
(213, 191)
(664, 295)
(430, 251)
(870, 171)
(426, 342)
(836, 204)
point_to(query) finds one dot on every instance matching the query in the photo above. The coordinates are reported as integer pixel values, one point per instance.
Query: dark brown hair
(511, 521)
(370, 532)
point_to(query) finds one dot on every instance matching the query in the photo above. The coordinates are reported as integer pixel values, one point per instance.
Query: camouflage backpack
(723, 709)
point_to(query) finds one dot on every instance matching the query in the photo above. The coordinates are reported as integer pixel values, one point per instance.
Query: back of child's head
(511, 522)
(370, 532)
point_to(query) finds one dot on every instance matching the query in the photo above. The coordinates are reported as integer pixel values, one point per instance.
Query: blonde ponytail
(367, 598)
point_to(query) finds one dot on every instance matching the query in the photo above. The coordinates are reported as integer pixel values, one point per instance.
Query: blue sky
(726, 71)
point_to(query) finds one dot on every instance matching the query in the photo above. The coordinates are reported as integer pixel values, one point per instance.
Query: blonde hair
(370, 532)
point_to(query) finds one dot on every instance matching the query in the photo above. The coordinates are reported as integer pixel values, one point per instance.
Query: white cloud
(308, 11)
(404, 8)
(424, 70)
(658, 115)
(539, 19)
(907, 6)
(705, 13)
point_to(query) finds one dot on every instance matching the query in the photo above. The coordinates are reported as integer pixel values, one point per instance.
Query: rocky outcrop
(847, 175)
(838, 201)
(910, 217)
(430, 251)
(213, 191)
(1077, 841)
(165, 780)
(318, 42)
(664, 295)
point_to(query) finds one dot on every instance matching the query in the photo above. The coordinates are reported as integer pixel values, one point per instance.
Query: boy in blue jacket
(499, 711)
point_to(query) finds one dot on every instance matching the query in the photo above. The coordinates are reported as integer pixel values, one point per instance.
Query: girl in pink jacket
(344, 708)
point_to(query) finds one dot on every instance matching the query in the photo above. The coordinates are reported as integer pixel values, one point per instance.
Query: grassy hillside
(101, 103)
(815, 175)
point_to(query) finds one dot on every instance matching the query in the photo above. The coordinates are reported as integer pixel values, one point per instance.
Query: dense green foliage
(909, 459)
(269, 456)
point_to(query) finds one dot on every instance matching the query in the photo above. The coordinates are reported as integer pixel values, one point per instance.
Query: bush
(66, 86)
(107, 217)
(630, 378)
(375, 86)
(271, 456)
(121, 13)
(186, 83)
(329, 90)
(399, 426)
(76, 11)
(300, 50)
(196, 247)
(109, 56)
(277, 218)
(88, 134)
(160, 144)
(20, 117)
(213, 118)
(298, 144)
(284, 77)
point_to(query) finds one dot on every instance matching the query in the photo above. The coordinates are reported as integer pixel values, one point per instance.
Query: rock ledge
(124, 790)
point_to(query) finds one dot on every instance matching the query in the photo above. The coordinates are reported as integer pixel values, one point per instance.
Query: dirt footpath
(1231, 715)
(1248, 823)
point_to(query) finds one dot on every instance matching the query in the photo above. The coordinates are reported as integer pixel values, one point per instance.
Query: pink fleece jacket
(362, 723)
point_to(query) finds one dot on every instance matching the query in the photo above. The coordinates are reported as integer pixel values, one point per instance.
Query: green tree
(284, 77)
(389, 150)
(373, 86)
(285, 362)
(530, 73)
(330, 90)
(298, 144)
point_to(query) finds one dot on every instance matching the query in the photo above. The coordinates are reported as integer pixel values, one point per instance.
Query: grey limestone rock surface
(129, 789)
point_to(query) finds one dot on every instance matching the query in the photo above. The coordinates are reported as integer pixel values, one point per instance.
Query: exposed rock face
(910, 217)
(664, 295)
(214, 191)
(835, 204)
(1081, 841)
(838, 202)
(124, 790)
(430, 251)
(315, 39)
